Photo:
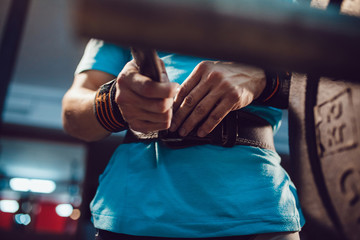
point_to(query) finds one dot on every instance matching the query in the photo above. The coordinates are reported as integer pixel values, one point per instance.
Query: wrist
(271, 86)
(260, 86)
(276, 91)
(106, 109)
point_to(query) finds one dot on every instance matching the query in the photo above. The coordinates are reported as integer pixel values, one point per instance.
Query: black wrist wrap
(106, 110)
(276, 92)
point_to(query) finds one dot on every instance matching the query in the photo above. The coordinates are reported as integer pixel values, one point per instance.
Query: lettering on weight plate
(335, 124)
(350, 188)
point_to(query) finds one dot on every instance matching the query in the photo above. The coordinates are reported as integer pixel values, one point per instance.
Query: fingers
(131, 79)
(145, 105)
(190, 105)
(209, 94)
(215, 117)
(187, 86)
(196, 99)
(145, 114)
(190, 93)
(155, 105)
(212, 108)
(211, 91)
(145, 87)
(142, 121)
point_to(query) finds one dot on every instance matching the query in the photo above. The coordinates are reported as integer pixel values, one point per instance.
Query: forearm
(78, 115)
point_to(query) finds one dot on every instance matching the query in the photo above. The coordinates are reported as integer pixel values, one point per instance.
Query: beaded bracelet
(106, 110)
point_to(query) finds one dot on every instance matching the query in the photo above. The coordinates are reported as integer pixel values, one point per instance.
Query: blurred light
(33, 185)
(64, 210)
(20, 184)
(23, 219)
(76, 200)
(42, 186)
(9, 206)
(26, 207)
(75, 215)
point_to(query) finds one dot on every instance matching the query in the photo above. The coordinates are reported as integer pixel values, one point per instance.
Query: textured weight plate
(324, 145)
(319, 224)
(324, 133)
(337, 118)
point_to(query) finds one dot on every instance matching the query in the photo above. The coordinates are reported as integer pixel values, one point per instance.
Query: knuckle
(234, 96)
(189, 101)
(130, 65)
(121, 78)
(183, 91)
(226, 85)
(200, 110)
(214, 79)
(215, 117)
(214, 76)
(204, 65)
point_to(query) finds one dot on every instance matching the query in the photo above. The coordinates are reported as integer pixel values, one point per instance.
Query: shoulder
(103, 56)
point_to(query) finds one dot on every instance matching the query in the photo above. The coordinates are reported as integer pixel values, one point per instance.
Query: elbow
(67, 119)
(76, 129)
(78, 119)
(70, 126)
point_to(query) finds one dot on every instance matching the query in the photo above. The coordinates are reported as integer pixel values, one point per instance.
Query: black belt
(105, 235)
(237, 128)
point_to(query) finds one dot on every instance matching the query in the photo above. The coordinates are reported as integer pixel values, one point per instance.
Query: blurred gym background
(47, 179)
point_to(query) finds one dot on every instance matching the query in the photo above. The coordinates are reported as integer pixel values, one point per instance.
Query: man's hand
(211, 91)
(145, 105)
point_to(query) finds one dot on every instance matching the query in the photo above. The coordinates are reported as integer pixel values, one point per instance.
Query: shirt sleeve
(103, 56)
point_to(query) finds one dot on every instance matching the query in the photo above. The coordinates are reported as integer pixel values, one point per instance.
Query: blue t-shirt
(199, 191)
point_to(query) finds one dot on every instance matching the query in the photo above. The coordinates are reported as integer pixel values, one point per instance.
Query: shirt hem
(156, 228)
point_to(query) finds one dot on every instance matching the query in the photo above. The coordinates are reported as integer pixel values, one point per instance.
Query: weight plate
(324, 135)
(324, 146)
